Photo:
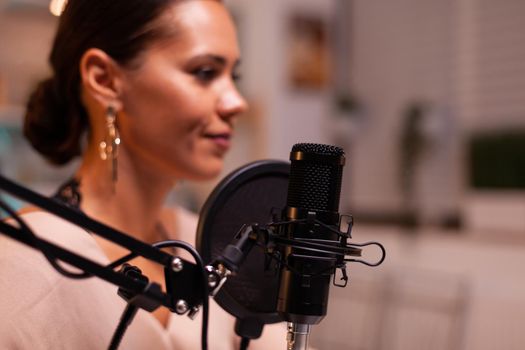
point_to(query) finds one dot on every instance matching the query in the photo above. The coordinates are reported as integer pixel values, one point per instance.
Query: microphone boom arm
(149, 296)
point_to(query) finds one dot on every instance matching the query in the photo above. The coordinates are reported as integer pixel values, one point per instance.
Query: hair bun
(49, 126)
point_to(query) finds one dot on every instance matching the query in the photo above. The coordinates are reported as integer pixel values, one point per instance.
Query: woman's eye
(205, 74)
(236, 76)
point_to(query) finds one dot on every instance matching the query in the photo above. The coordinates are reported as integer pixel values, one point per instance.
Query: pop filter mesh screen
(246, 196)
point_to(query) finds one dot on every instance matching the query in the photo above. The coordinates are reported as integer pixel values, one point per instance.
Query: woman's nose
(231, 104)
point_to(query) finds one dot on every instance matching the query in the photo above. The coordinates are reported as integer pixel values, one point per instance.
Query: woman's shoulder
(32, 290)
(25, 269)
(60, 232)
(42, 309)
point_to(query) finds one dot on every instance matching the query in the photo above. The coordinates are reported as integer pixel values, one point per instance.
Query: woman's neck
(131, 204)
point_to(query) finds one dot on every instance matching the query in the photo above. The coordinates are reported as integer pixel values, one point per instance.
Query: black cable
(205, 292)
(244, 343)
(131, 310)
(125, 320)
(24, 228)
(122, 260)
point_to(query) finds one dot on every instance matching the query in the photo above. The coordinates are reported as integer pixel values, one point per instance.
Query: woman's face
(180, 103)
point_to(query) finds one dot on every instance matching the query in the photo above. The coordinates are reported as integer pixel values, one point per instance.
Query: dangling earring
(109, 146)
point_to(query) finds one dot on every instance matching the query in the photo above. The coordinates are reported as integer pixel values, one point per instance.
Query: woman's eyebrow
(216, 58)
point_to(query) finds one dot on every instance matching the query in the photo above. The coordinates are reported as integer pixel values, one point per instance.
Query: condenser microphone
(290, 212)
(311, 214)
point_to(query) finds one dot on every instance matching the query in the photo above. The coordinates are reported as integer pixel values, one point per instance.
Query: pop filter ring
(230, 186)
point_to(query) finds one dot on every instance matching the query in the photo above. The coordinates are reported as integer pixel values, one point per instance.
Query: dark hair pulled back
(56, 119)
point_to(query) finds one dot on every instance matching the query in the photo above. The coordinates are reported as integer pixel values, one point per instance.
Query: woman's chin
(207, 173)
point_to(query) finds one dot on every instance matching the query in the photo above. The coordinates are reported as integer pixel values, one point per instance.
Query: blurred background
(428, 100)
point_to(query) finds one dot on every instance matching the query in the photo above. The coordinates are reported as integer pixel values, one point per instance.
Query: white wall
(435, 290)
(491, 71)
(403, 52)
(289, 116)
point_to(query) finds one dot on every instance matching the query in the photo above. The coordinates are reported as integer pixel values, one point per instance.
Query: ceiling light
(57, 6)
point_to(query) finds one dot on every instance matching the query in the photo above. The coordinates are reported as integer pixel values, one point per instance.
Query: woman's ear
(101, 77)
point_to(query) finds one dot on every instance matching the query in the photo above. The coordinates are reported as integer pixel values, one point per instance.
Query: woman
(144, 91)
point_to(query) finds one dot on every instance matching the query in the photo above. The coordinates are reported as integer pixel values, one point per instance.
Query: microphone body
(313, 194)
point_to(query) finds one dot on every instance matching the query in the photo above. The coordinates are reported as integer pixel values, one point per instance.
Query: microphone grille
(316, 148)
(315, 177)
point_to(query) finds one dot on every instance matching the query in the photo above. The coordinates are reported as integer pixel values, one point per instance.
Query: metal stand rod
(297, 336)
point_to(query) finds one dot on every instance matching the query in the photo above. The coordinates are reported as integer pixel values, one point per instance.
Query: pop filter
(246, 196)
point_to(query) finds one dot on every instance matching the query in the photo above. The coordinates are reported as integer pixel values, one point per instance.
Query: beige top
(41, 309)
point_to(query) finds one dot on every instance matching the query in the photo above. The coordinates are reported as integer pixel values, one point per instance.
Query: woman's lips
(222, 141)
